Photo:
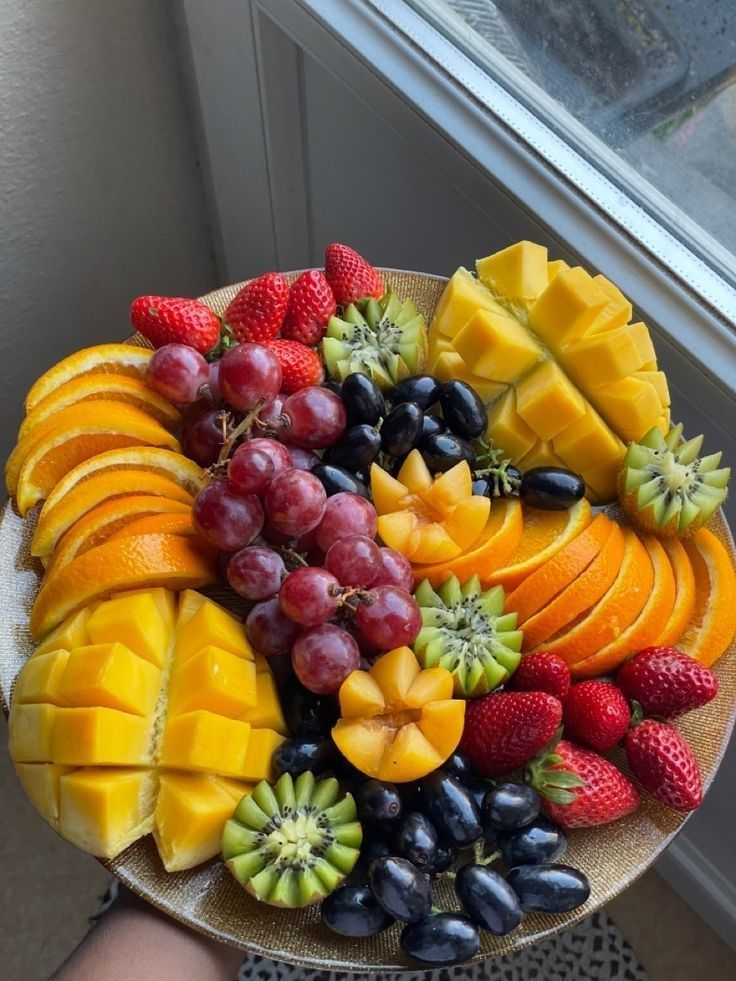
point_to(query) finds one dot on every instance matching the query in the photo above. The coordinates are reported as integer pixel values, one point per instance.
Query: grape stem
(348, 594)
(503, 484)
(244, 427)
(290, 555)
(479, 858)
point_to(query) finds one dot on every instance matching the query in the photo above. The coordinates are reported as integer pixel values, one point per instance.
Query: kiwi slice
(466, 631)
(385, 339)
(293, 843)
(667, 488)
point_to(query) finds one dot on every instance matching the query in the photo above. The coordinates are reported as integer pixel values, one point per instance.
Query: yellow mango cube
(262, 744)
(214, 680)
(133, 620)
(71, 633)
(555, 267)
(518, 272)
(542, 454)
(112, 676)
(211, 625)
(105, 809)
(567, 308)
(547, 400)
(617, 310)
(437, 345)
(587, 443)
(40, 679)
(507, 429)
(261, 663)
(639, 333)
(603, 358)
(267, 713)
(631, 406)
(462, 296)
(100, 737)
(601, 480)
(450, 366)
(495, 345)
(206, 742)
(31, 733)
(235, 789)
(658, 379)
(165, 600)
(191, 811)
(40, 781)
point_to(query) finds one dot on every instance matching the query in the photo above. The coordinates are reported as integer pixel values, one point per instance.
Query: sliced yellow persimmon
(433, 544)
(112, 516)
(387, 491)
(53, 523)
(114, 388)
(71, 436)
(414, 473)
(399, 531)
(467, 520)
(399, 722)
(120, 359)
(145, 561)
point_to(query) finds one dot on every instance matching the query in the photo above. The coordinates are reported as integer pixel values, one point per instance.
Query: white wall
(101, 191)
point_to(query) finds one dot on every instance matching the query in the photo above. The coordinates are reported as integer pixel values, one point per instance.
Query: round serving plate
(208, 899)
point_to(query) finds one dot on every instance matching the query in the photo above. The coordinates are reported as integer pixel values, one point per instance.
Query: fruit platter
(367, 619)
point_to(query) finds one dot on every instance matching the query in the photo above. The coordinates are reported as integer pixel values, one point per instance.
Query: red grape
(249, 373)
(391, 620)
(354, 561)
(269, 631)
(214, 381)
(251, 469)
(396, 570)
(226, 518)
(274, 537)
(346, 515)
(256, 572)
(323, 657)
(280, 456)
(177, 372)
(203, 437)
(303, 459)
(295, 502)
(317, 418)
(309, 596)
(270, 415)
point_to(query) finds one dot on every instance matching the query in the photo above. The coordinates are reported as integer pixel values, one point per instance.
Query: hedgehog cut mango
(135, 717)
(552, 350)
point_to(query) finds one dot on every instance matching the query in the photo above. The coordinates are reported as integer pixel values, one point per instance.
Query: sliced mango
(103, 810)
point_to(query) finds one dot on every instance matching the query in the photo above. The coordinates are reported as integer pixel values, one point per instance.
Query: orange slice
(685, 595)
(647, 628)
(143, 562)
(109, 517)
(559, 571)
(71, 436)
(496, 544)
(580, 595)
(115, 388)
(118, 359)
(545, 534)
(53, 523)
(621, 605)
(157, 524)
(713, 622)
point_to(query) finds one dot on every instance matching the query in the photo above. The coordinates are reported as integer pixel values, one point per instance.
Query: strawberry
(350, 275)
(597, 715)
(257, 311)
(301, 367)
(666, 682)
(506, 729)
(581, 789)
(311, 304)
(543, 671)
(175, 320)
(664, 764)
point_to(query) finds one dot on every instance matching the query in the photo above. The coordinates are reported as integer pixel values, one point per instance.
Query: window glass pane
(653, 83)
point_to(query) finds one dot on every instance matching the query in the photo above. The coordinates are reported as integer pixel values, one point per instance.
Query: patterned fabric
(594, 950)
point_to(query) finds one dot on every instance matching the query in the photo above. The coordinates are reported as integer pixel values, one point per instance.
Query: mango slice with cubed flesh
(147, 712)
(551, 350)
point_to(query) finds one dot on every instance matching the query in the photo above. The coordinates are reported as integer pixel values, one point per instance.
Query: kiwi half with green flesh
(466, 631)
(292, 844)
(667, 488)
(385, 339)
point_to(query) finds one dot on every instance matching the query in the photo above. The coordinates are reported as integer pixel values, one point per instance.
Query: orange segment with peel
(146, 561)
(119, 359)
(612, 614)
(713, 622)
(545, 534)
(647, 628)
(684, 593)
(114, 388)
(558, 572)
(398, 722)
(580, 595)
(103, 486)
(157, 524)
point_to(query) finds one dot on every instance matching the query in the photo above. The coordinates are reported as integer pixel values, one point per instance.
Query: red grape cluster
(323, 590)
